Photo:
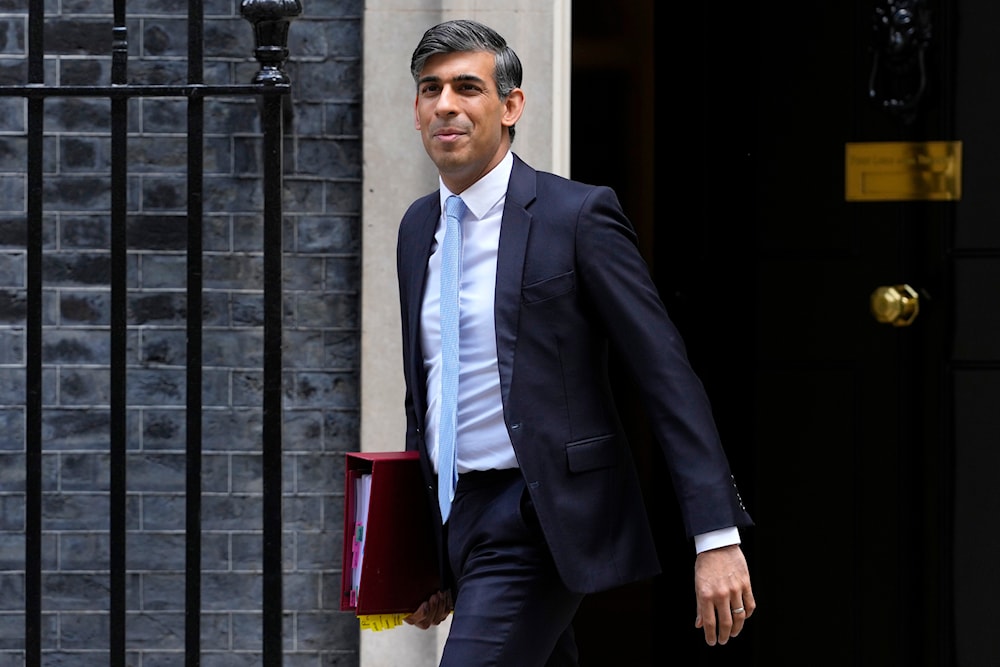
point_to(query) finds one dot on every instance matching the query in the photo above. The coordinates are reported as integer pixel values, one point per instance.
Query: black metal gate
(270, 20)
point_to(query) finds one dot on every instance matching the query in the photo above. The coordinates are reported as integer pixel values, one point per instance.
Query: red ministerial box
(399, 569)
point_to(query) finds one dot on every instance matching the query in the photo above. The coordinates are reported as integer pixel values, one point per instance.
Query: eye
(429, 89)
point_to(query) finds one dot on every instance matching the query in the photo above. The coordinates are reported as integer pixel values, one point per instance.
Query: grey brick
(84, 471)
(90, 307)
(84, 386)
(328, 310)
(342, 429)
(303, 195)
(329, 234)
(85, 154)
(163, 512)
(84, 551)
(302, 430)
(164, 347)
(12, 658)
(246, 471)
(231, 512)
(333, 508)
(163, 429)
(301, 591)
(158, 72)
(164, 37)
(12, 546)
(157, 472)
(247, 631)
(76, 346)
(216, 554)
(228, 37)
(12, 152)
(247, 309)
(78, 114)
(315, 470)
(11, 591)
(231, 591)
(75, 512)
(163, 630)
(87, 72)
(303, 273)
(163, 592)
(232, 659)
(85, 232)
(215, 631)
(85, 630)
(317, 157)
(11, 631)
(319, 551)
(12, 429)
(248, 552)
(77, 37)
(304, 349)
(75, 429)
(233, 348)
(12, 189)
(155, 551)
(248, 388)
(13, 73)
(76, 270)
(232, 430)
(161, 659)
(301, 513)
(74, 592)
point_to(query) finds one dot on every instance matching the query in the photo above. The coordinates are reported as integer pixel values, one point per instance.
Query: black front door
(866, 451)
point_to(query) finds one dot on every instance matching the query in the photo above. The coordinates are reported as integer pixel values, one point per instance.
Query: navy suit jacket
(570, 285)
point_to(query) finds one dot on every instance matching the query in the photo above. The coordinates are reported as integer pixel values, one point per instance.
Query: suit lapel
(418, 241)
(514, 230)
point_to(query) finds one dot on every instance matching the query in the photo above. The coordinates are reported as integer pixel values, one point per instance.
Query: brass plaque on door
(903, 171)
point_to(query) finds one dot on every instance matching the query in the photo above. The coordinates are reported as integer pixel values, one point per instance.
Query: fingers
(419, 618)
(724, 596)
(431, 612)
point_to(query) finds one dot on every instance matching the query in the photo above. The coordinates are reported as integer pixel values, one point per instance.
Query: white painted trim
(396, 171)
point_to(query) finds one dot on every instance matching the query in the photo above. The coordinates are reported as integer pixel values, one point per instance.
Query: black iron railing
(270, 20)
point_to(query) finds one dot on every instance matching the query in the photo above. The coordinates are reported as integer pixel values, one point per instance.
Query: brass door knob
(897, 305)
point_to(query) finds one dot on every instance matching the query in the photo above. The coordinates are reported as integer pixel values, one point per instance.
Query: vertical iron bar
(270, 19)
(195, 189)
(33, 347)
(271, 119)
(119, 332)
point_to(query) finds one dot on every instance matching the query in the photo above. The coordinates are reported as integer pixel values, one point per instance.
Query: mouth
(448, 134)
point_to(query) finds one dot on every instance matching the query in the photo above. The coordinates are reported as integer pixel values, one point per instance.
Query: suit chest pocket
(549, 288)
(592, 453)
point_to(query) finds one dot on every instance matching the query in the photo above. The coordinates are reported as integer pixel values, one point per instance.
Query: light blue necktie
(451, 262)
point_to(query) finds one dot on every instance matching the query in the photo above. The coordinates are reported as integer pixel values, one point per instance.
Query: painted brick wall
(321, 332)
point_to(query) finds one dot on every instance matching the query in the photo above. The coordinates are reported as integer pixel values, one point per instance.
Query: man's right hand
(431, 612)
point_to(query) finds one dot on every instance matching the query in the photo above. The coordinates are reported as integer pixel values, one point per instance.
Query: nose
(446, 102)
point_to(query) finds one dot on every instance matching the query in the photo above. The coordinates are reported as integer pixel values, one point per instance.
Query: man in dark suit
(547, 506)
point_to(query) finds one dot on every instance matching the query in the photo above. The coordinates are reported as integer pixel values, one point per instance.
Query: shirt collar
(484, 194)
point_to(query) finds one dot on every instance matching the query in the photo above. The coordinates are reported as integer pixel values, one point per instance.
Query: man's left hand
(722, 588)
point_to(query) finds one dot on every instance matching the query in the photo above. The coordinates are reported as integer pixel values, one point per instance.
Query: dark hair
(463, 35)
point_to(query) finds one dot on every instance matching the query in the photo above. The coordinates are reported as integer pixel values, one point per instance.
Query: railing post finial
(270, 19)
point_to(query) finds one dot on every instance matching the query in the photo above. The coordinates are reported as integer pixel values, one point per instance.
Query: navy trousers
(511, 607)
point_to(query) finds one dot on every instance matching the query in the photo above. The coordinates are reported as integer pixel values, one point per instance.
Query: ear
(416, 113)
(513, 107)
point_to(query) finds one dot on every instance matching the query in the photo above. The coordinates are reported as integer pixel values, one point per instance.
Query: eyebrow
(459, 77)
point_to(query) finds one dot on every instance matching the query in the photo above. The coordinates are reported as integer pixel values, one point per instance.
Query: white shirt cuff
(716, 538)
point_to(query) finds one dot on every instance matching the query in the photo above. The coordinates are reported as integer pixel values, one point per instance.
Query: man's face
(461, 118)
